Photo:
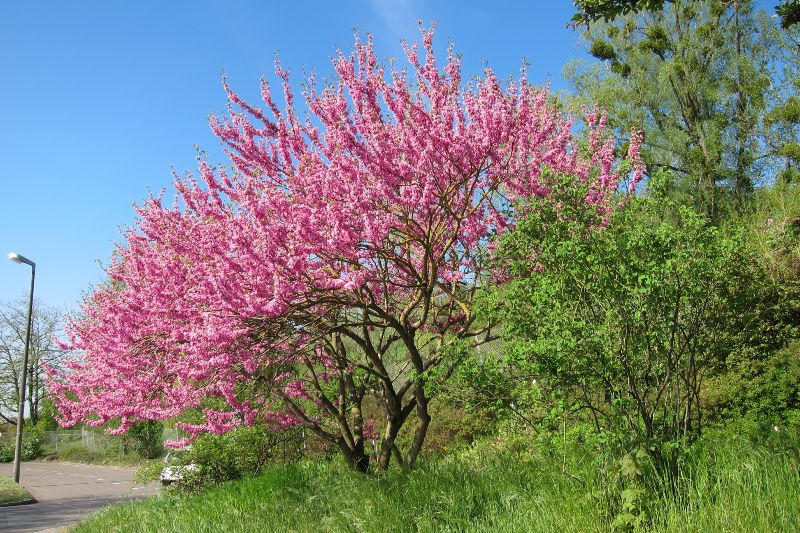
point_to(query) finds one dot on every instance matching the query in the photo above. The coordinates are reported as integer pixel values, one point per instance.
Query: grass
(734, 486)
(11, 492)
(730, 487)
(448, 495)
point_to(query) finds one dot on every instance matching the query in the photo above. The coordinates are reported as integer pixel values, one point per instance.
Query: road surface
(67, 492)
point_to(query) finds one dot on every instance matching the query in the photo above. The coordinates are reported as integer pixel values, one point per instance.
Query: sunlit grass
(11, 492)
(485, 489)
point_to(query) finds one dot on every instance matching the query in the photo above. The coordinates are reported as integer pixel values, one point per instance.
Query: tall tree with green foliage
(592, 10)
(44, 351)
(703, 79)
(623, 323)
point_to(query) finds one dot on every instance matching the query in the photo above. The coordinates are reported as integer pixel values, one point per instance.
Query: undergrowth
(729, 483)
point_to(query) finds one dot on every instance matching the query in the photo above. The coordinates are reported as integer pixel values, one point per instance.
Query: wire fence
(57, 439)
(93, 440)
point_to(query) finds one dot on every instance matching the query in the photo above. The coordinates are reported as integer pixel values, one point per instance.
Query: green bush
(766, 392)
(616, 322)
(6, 451)
(242, 452)
(47, 419)
(145, 438)
(760, 378)
(607, 316)
(32, 447)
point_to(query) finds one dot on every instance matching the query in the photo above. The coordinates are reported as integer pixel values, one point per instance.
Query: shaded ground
(66, 493)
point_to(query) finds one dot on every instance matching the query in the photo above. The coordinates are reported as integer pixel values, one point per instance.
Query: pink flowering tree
(338, 260)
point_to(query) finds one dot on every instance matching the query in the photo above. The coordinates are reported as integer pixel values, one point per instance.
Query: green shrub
(47, 419)
(766, 391)
(6, 451)
(32, 447)
(145, 439)
(607, 317)
(242, 452)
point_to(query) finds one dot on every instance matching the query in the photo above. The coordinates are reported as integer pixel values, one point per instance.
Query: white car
(174, 473)
(171, 473)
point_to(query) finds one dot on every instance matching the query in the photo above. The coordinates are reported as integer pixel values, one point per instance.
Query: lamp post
(21, 410)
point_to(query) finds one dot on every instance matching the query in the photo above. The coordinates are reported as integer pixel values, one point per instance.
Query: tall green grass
(732, 484)
(725, 487)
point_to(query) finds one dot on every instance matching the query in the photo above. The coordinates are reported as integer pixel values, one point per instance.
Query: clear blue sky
(100, 100)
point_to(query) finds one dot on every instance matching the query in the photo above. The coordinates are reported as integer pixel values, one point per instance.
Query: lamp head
(20, 259)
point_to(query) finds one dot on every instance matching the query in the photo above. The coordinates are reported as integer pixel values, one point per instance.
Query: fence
(95, 441)
(57, 439)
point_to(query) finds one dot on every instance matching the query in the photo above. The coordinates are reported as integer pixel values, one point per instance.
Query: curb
(21, 502)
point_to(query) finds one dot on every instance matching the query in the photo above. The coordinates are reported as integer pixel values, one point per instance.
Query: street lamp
(21, 410)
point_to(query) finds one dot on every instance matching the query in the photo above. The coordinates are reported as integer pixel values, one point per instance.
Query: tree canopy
(593, 10)
(712, 85)
(337, 260)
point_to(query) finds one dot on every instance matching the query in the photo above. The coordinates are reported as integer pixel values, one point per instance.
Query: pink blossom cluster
(392, 184)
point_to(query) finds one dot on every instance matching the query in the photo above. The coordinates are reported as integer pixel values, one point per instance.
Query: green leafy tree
(703, 80)
(624, 323)
(45, 327)
(593, 10)
(789, 12)
(145, 438)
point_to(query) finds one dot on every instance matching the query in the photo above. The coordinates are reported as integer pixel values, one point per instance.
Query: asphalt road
(67, 492)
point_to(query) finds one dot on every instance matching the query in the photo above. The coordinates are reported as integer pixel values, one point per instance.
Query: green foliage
(709, 82)
(593, 10)
(621, 321)
(47, 420)
(789, 12)
(145, 438)
(788, 112)
(32, 447)
(608, 10)
(790, 151)
(759, 379)
(764, 391)
(770, 227)
(622, 339)
(602, 50)
(6, 450)
(242, 452)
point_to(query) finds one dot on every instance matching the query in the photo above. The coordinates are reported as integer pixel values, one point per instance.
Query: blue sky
(101, 100)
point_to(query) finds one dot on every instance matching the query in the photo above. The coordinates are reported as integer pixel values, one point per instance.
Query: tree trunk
(355, 457)
(423, 421)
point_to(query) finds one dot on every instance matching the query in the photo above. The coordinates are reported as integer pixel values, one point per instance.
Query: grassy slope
(324, 497)
(11, 492)
(733, 489)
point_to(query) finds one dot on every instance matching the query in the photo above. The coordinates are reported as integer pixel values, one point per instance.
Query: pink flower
(242, 293)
